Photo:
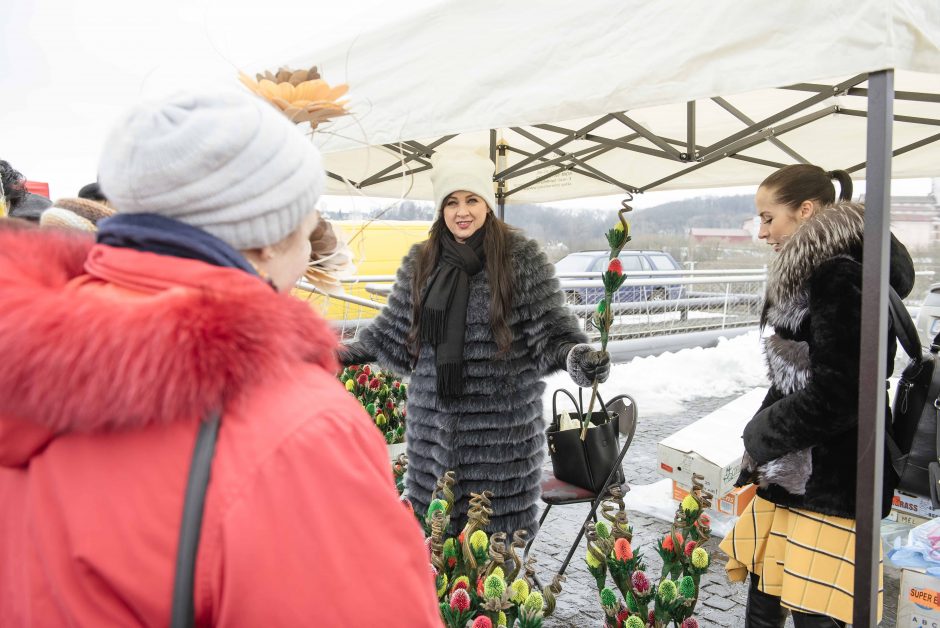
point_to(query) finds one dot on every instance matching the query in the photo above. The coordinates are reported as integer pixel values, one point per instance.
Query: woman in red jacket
(116, 349)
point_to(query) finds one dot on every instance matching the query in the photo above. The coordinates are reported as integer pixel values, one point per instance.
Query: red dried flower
(460, 600)
(353, 368)
(690, 622)
(667, 541)
(480, 586)
(375, 384)
(651, 619)
(691, 545)
(363, 379)
(704, 521)
(641, 584)
(452, 562)
(615, 266)
(622, 549)
(390, 405)
(396, 385)
(367, 369)
(482, 622)
(623, 615)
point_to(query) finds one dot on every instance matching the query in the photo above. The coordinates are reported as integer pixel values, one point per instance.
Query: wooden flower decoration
(301, 94)
(330, 258)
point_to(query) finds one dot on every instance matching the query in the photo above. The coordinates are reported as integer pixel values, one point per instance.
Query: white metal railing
(649, 302)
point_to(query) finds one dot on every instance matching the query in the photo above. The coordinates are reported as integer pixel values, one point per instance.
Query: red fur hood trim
(82, 354)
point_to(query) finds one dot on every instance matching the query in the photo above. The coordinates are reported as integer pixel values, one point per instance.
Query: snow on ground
(662, 384)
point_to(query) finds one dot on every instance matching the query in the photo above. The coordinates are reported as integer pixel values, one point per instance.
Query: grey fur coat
(493, 435)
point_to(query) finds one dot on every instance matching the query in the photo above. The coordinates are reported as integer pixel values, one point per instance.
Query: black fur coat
(803, 439)
(493, 435)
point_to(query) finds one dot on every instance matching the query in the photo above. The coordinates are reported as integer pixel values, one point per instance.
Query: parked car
(636, 263)
(928, 318)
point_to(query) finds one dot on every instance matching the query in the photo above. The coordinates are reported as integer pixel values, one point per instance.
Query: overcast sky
(70, 67)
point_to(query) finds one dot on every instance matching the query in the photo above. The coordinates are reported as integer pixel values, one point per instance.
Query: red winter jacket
(111, 356)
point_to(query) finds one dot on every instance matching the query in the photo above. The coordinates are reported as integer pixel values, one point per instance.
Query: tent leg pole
(873, 349)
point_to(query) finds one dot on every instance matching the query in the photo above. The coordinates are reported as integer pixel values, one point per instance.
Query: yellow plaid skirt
(804, 558)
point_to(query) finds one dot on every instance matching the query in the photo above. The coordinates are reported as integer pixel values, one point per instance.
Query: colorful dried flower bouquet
(382, 395)
(482, 582)
(646, 604)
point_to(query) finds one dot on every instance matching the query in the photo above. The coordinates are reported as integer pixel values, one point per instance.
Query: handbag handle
(183, 613)
(601, 408)
(577, 406)
(903, 326)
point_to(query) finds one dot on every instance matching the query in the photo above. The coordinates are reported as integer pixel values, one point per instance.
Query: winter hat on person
(462, 169)
(75, 213)
(228, 163)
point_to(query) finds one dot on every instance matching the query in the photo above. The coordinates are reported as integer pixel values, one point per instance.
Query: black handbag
(584, 463)
(913, 441)
(183, 613)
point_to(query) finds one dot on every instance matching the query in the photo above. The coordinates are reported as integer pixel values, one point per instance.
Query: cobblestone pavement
(721, 603)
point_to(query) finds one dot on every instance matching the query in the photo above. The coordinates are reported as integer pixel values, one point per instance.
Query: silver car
(928, 318)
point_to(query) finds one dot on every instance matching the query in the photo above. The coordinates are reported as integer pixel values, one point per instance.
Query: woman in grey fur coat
(476, 319)
(797, 537)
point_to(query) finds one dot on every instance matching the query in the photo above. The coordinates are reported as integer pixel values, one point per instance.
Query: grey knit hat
(228, 163)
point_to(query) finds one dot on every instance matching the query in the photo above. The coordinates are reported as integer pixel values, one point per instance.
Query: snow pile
(662, 384)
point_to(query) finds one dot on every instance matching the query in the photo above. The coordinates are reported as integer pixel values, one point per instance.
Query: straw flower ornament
(301, 94)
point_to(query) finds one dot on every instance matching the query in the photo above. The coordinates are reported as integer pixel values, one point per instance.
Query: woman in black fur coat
(476, 319)
(797, 537)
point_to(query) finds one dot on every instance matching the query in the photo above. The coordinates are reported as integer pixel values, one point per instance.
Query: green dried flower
(667, 590)
(519, 591)
(700, 558)
(602, 529)
(634, 622)
(687, 588)
(493, 587)
(435, 505)
(608, 598)
(534, 602)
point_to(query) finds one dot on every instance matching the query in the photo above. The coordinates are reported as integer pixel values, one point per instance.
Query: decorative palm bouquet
(482, 582)
(383, 397)
(645, 604)
(613, 277)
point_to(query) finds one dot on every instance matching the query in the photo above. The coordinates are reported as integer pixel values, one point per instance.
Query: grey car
(928, 318)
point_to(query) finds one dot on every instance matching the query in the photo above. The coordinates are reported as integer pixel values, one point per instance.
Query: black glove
(585, 365)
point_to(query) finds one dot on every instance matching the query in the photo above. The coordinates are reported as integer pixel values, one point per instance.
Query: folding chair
(558, 493)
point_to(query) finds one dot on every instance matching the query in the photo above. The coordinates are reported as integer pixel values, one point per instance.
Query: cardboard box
(732, 503)
(919, 599)
(711, 446)
(912, 509)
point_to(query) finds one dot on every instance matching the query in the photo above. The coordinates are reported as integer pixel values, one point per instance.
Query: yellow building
(378, 248)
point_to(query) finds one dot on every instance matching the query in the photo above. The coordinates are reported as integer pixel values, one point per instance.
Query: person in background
(797, 536)
(13, 190)
(477, 319)
(117, 349)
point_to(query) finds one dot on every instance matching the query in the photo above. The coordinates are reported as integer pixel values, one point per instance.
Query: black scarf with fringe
(444, 308)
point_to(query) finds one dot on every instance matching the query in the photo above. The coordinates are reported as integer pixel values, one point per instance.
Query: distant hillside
(585, 229)
(677, 217)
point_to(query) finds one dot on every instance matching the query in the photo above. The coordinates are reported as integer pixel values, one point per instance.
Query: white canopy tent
(614, 95)
(576, 99)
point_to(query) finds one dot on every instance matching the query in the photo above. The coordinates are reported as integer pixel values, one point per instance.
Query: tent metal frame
(552, 140)
(873, 338)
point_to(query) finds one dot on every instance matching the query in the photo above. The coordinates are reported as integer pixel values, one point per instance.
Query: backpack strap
(904, 327)
(183, 613)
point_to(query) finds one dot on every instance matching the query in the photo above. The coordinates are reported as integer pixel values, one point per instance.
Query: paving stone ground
(721, 602)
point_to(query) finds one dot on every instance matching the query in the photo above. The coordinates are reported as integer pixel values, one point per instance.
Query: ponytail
(845, 183)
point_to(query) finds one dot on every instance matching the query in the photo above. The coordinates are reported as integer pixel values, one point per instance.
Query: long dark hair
(804, 182)
(496, 247)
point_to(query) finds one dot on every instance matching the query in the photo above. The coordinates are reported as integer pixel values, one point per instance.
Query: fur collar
(86, 359)
(833, 231)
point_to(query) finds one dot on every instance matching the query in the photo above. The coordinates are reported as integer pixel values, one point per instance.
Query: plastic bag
(922, 549)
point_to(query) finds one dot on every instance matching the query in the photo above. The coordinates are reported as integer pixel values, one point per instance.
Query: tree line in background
(663, 227)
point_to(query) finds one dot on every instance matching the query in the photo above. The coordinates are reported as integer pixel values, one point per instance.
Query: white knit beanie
(228, 163)
(457, 169)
